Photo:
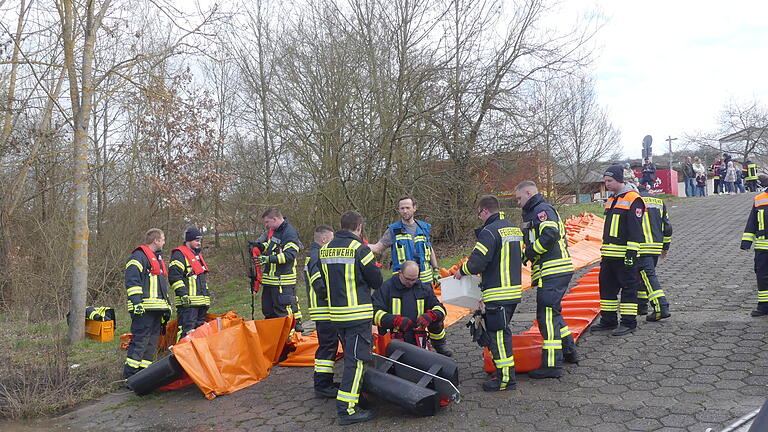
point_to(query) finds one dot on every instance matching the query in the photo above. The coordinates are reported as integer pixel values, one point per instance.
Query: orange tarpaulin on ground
(235, 357)
(584, 236)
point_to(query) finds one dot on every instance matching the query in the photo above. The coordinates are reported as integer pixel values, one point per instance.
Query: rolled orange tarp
(234, 358)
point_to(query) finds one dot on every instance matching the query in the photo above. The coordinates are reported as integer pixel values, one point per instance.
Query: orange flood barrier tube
(235, 357)
(580, 307)
(584, 235)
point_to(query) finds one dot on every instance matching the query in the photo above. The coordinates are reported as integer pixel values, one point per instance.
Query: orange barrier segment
(584, 236)
(580, 308)
(234, 358)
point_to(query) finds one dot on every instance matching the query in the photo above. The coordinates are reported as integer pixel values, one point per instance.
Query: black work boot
(758, 313)
(571, 357)
(622, 330)
(603, 326)
(442, 348)
(359, 416)
(546, 372)
(329, 392)
(494, 384)
(657, 316)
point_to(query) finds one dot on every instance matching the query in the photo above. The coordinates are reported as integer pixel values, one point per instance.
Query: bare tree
(589, 137)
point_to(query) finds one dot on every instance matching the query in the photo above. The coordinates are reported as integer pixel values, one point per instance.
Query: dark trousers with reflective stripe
(551, 323)
(650, 288)
(190, 318)
(325, 356)
(618, 286)
(276, 300)
(142, 348)
(356, 341)
(761, 271)
(497, 317)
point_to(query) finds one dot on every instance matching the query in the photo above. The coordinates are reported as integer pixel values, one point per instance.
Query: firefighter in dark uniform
(327, 337)
(350, 273)
(751, 175)
(187, 275)
(146, 283)
(622, 235)
(278, 260)
(404, 304)
(657, 237)
(497, 257)
(551, 272)
(756, 232)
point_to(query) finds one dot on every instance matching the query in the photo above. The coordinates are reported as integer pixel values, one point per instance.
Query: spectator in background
(689, 177)
(718, 180)
(629, 174)
(649, 173)
(701, 177)
(739, 185)
(730, 178)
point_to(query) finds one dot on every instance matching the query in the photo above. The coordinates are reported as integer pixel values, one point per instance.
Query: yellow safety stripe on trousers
(324, 366)
(656, 295)
(145, 364)
(133, 363)
(377, 316)
(134, 263)
(134, 290)
(502, 293)
(649, 292)
(354, 393)
(481, 248)
(614, 226)
(437, 336)
(642, 294)
(609, 305)
(550, 327)
(504, 362)
(628, 309)
(565, 332)
(762, 296)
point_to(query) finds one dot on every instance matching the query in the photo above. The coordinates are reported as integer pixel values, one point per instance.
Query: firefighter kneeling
(403, 304)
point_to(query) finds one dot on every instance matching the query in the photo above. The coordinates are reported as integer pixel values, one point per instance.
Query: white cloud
(667, 68)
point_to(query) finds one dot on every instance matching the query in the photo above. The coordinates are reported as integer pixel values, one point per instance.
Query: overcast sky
(668, 67)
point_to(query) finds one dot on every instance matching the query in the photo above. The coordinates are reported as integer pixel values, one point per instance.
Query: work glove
(530, 255)
(164, 322)
(435, 274)
(629, 258)
(262, 259)
(425, 319)
(402, 323)
(185, 300)
(138, 309)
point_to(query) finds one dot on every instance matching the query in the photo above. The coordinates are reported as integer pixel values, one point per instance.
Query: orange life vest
(196, 261)
(157, 265)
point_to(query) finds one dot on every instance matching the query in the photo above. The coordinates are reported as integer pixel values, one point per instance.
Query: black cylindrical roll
(422, 359)
(416, 399)
(158, 374)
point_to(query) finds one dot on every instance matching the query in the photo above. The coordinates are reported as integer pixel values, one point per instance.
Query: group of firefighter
(347, 294)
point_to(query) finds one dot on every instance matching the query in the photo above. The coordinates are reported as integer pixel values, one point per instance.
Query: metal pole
(669, 140)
